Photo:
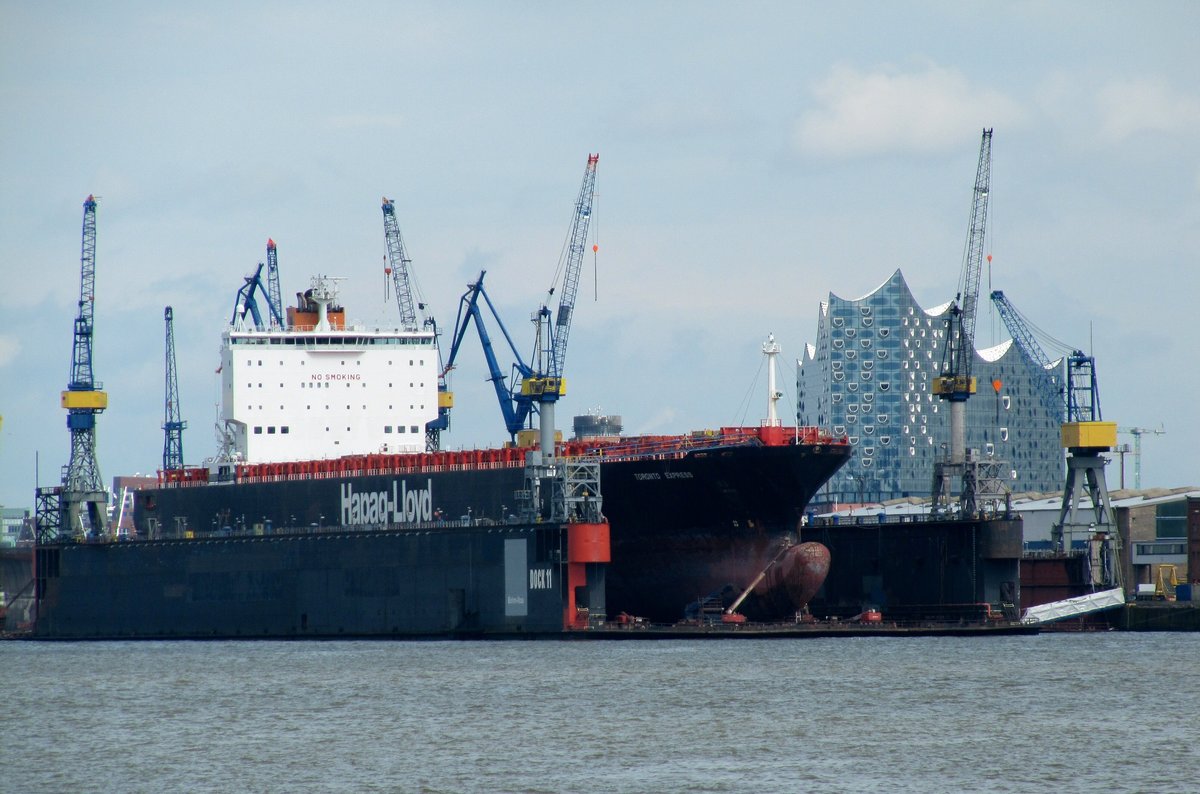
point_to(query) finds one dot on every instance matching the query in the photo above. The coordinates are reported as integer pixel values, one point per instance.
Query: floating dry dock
(491, 580)
(473, 579)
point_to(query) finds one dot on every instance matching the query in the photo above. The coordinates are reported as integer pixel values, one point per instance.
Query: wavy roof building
(869, 374)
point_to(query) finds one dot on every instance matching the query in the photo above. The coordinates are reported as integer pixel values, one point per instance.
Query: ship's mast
(771, 350)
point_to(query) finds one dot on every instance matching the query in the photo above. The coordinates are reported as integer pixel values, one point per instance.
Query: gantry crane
(397, 268)
(173, 425)
(1086, 438)
(955, 384)
(62, 510)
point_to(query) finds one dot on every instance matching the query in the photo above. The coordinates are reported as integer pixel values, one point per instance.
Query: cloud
(10, 346)
(887, 111)
(1128, 107)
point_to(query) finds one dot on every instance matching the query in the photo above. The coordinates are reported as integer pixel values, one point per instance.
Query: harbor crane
(1045, 374)
(274, 292)
(955, 384)
(1086, 509)
(173, 425)
(546, 384)
(62, 510)
(246, 303)
(1086, 437)
(397, 268)
(541, 381)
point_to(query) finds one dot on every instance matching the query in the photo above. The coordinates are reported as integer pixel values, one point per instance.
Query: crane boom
(81, 360)
(173, 426)
(274, 293)
(955, 383)
(1049, 386)
(573, 259)
(973, 259)
(398, 262)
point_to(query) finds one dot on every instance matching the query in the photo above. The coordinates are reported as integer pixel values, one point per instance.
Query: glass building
(869, 377)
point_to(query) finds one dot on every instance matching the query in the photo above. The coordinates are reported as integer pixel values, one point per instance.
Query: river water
(1054, 712)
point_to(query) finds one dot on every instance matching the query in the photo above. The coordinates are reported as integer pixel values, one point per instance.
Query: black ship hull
(681, 527)
(919, 568)
(437, 551)
(461, 581)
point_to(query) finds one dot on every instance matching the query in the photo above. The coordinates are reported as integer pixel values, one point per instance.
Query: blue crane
(545, 384)
(541, 382)
(274, 293)
(1049, 385)
(83, 488)
(246, 303)
(173, 425)
(1083, 434)
(569, 266)
(397, 266)
(514, 405)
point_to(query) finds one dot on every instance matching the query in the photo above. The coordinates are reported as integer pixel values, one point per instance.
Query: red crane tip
(270, 243)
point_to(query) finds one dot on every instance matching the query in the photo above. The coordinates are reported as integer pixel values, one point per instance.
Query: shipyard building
(869, 376)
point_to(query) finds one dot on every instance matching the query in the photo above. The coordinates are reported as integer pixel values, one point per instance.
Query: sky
(754, 158)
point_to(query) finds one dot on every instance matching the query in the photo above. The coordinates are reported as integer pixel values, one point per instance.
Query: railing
(666, 447)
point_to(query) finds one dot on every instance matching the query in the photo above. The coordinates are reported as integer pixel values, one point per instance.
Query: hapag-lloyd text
(402, 505)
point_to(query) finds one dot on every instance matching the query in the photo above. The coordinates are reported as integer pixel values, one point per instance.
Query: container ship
(333, 509)
(325, 513)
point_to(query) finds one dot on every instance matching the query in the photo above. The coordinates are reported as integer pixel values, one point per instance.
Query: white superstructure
(324, 389)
